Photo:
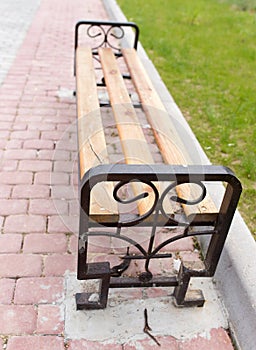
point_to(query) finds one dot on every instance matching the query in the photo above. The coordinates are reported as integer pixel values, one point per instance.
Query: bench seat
(92, 140)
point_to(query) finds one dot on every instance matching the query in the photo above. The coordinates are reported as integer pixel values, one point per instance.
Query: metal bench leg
(183, 296)
(98, 271)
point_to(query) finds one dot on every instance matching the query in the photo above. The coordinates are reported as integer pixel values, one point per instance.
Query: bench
(138, 190)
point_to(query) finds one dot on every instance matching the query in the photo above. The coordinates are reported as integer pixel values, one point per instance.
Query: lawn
(205, 52)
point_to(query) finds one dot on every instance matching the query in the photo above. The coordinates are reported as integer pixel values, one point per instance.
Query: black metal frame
(217, 227)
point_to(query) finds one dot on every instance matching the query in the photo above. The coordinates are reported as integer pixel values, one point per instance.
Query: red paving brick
(48, 207)
(38, 144)
(31, 191)
(39, 290)
(7, 286)
(13, 206)
(36, 343)
(5, 191)
(167, 343)
(10, 243)
(45, 243)
(25, 224)
(20, 154)
(218, 340)
(59, 264)
(20, 265)
(62, 224)
(49, 178)
(89, 345)
(50, 319)
(17, 319)
(35, 165)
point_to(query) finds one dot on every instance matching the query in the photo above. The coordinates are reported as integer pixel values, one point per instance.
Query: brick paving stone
(20, 154)
(35, 165)
(53, 155)
(48, 207)
(179, 245)
(90, 345)
(39, 144)
(167, 343)
(17, 319)
(7, 286)
(20, 265)
(20, 126)
(39, 290)
(9, 165)
(5, 125)
(63, 224)
(54, 135)
(218, 340)
(67, 192)
(74, 205)
(36, 343)
(25, 134)
(25, 224)
(40, 126)
(31, 191)
(65, 166)
(50, 319)
(49, 178)
(74, 179)
(13, 178)
(10, 243)
(14, 144)
(13, 206)
(45, 243)
(5, 191)
(59, 264)
(3, 144)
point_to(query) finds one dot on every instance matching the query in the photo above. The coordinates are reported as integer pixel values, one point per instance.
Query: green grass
(244, 5)
(205, 51)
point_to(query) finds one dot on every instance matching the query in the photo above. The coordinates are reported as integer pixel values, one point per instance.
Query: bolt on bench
(136, 198)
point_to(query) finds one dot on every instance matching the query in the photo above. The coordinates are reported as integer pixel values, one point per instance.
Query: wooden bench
(138, 185)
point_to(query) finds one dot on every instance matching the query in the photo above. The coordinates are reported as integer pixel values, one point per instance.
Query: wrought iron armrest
(156, 217)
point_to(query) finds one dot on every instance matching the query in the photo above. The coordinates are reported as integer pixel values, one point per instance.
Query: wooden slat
(169, 143)
(91, 138)
(134, 144)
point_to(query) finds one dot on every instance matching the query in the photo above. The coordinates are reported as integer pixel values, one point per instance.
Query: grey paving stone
(15, 19)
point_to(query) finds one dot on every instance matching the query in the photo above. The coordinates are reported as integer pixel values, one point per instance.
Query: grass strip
(205, 52)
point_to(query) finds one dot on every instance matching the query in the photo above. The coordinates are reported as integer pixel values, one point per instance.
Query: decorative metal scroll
(107, 34)
(158, 206)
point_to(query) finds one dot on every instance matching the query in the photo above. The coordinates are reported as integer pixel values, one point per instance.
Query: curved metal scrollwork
(177, 199)
(109, 35)
(135, 199)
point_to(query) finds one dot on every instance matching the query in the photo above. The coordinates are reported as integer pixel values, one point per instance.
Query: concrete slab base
(123, 319)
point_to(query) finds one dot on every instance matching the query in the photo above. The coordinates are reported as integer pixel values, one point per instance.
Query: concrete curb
(235, 276)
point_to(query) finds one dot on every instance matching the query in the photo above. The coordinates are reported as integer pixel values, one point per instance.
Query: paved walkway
(38, 207)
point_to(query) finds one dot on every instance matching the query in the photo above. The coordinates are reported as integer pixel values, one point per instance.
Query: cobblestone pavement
(38, 206)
